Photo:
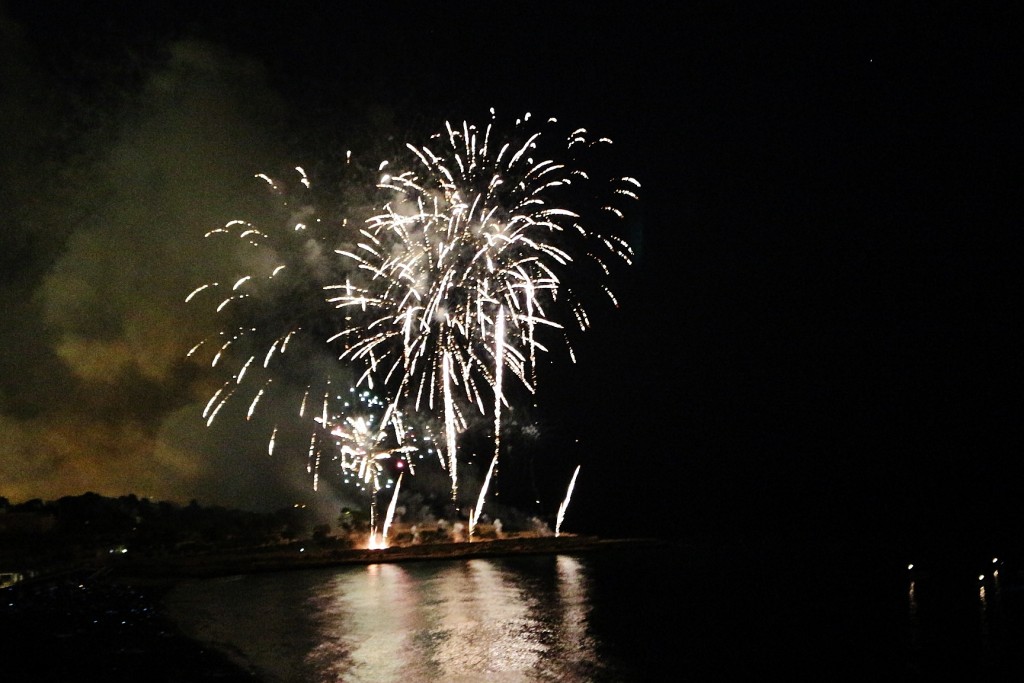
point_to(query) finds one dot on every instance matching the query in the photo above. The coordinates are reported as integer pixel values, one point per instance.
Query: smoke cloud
(106, 201)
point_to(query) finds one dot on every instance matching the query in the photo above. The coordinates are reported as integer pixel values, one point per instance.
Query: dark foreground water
(675, 613)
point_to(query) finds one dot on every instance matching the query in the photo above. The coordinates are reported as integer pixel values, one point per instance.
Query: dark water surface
(676, 613)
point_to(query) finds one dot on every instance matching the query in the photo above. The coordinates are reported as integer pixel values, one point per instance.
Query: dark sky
(819, 329)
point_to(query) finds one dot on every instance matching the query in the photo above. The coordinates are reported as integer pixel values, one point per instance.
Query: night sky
(818, 333)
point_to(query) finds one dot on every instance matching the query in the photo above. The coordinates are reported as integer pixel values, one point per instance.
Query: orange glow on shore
(377, 541)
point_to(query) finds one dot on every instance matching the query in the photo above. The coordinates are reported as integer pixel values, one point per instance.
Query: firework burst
(368, 448)
(467, 266)
(277, 318)
(467, 272)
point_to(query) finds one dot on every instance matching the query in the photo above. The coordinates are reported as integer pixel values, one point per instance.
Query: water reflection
(454, 621)
(521, 619)
(613, 617)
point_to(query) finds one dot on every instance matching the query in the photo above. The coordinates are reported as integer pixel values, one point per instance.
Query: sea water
(653, 614)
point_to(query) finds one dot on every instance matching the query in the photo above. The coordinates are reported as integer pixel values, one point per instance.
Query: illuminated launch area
(404, 322)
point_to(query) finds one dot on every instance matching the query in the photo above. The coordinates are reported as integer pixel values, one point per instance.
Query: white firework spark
(471, 243)
(277, 319)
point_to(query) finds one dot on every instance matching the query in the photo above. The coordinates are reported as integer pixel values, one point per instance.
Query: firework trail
(479, 236)
(474, 513)
(565, 502)
(390, 513)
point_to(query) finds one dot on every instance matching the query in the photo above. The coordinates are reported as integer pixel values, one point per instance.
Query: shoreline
(309, 556)
(110, 623)
(84, 626)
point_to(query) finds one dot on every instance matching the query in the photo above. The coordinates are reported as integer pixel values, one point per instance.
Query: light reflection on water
(615, 617)
(468, 620)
